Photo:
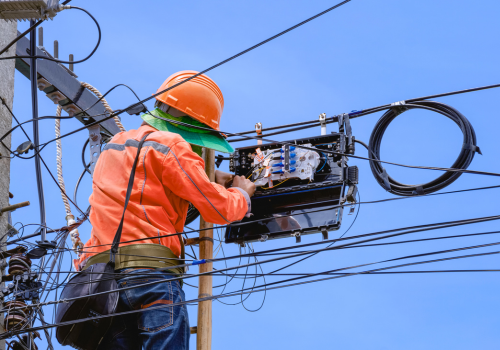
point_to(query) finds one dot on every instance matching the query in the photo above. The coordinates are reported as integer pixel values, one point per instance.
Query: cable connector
(199, 262)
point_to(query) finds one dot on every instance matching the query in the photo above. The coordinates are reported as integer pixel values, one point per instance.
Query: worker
(170, 174)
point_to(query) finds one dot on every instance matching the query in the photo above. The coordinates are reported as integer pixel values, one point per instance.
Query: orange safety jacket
(168, 176)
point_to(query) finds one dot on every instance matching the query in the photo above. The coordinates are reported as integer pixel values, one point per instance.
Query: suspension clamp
(399, 107)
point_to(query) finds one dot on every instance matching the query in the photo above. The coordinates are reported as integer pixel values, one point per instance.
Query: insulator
(16, 319)
(19, 264)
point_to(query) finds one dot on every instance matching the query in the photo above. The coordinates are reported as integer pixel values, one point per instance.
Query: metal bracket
(287, 158)
(297, 236)
(258, 130)
(56, 96)
(322, 121)
(95, 145)
(71, 109)
(324, 232)
(263, 238)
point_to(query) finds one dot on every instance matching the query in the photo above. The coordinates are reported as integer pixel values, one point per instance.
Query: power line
(307, 212)
(32, 56)
(272, 260)
(4, 335)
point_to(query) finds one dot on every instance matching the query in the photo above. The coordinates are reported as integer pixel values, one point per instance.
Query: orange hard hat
(200, 98)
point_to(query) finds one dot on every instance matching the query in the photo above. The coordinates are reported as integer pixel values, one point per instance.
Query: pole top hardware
(322, 121)
(258, 128)
(23, 10)
(322, 118)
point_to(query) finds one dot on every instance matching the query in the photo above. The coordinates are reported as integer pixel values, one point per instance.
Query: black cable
(300, 128)
(78, 184)
(356, 114)
(268, 140)
(255, 281)
(449, 170)
(20, 36)
(332, 243)
(43, 161)
(402, 242)
(202, 72)
(303, 125)
(60, 61)
(107, 92)
(19, 125)
(371, 273)
(462, 162)
(60, 188)
(443, 224)
(83, 156)
(298, 254)
(9, 334)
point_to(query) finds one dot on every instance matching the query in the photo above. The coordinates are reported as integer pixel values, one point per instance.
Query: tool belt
(141, 255)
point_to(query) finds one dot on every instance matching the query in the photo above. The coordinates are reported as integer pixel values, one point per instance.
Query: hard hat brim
(213, 140)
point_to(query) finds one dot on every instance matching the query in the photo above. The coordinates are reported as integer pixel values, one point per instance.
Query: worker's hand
(223, 178)
(245, 184)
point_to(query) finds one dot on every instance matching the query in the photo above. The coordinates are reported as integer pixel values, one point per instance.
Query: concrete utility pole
(204, 331)
(8, 31)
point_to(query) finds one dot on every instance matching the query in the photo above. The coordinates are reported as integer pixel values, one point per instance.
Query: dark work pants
(162, 328)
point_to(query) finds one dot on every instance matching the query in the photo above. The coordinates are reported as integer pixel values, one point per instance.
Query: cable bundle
(462, 162)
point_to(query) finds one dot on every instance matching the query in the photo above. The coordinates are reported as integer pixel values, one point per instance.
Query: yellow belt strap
(141, 255)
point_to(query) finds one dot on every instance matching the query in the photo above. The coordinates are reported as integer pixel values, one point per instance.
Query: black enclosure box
(298, 206)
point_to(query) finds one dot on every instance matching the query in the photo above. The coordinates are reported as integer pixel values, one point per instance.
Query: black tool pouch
(85, 288)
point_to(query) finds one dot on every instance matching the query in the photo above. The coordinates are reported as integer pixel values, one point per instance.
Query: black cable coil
(462, 162)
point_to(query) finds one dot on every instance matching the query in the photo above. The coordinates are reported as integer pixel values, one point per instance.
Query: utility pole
(8, 32)
(204, 330)
(36, 136)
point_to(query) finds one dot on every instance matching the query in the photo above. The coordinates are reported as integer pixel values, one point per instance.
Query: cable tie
(472, 147)
(385, 177)
(199, 262)
(419, 190)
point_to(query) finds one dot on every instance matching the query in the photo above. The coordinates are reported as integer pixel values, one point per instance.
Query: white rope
(59, 162)
(70, 218)
(105, 103)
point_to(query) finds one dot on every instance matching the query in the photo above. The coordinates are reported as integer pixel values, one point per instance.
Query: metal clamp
(258, 130)
(95, 145)
(322, 122)
(399, 107)
(263, 238)
(324, 232)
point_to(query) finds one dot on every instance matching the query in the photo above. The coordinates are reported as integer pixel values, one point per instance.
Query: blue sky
(364, 54)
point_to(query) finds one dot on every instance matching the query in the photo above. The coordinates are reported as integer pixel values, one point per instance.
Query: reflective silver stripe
(134, 143)
(144, 184)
